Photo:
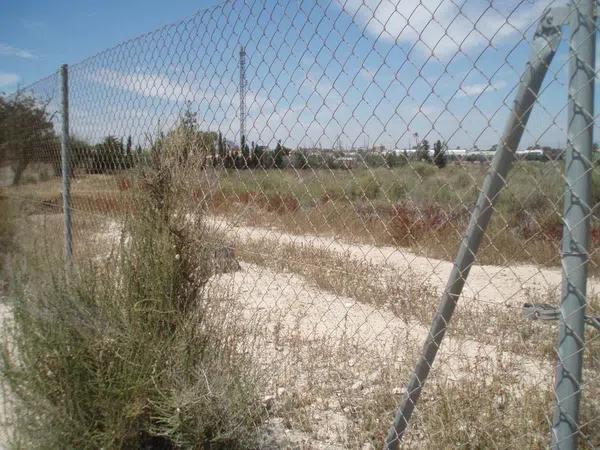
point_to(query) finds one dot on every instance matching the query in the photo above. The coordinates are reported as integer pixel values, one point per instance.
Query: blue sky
(343, 72)
(37, 36)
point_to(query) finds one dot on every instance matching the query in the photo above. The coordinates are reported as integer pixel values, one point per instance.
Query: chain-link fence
(334, 156)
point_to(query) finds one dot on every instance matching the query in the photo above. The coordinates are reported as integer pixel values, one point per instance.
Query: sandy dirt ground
(503, 285)
(322, 353)
(286, 304)
(5, 405)
(293, 303)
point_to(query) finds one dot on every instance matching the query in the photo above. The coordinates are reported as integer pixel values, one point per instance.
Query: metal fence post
(576, 230)
(66, 162)
(545, 43)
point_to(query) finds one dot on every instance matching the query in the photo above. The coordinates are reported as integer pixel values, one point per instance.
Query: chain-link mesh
(336, 217)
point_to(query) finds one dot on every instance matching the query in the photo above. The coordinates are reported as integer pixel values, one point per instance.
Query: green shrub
(423, 169)
(446, 196)
(398, 190)
(272, 183)
(463, 180)
(132, 351)
(7, 226)
(365, 186)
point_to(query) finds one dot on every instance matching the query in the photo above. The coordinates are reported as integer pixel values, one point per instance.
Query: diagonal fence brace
(545, 43)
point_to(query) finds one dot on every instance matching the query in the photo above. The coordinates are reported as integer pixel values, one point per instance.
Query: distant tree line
(110, 155)
(250, 156)
(27, 136)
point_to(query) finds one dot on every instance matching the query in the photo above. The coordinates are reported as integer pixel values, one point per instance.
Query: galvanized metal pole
(544, 45)
(576, 227)
(66, 163)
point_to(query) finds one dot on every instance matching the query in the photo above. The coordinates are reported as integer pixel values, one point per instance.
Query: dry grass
(486, 406)
(8, 227)
(416, 206)
(327, 386)
(107, 362)
(408, 296)
(129, 350)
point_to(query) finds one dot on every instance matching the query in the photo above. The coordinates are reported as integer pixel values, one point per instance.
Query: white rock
(357, 386)
(374, 376)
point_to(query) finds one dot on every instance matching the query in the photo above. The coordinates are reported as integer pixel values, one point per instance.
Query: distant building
(346, 162)
(536, 154)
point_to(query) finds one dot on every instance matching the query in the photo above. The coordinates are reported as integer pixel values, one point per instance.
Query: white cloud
(443, 27)
(145, 84)
(9, 50)
(8, 79)
(473, 90)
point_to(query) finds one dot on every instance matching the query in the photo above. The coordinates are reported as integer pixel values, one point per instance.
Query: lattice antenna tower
(242, 95)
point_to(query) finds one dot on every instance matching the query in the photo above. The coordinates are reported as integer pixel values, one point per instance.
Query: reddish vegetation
(595, 237)
(275, 203)
(554, 233)
(251, 197)
(329, 196)
(282, 204)
(547, 229)
(408, 224)
(326, 197)
(216, 200)
(123, 184)
(405, 223)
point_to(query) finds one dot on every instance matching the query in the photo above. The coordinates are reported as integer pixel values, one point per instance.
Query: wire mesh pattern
(333, 152)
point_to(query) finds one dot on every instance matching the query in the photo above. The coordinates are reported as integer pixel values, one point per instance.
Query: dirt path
(289, 302)
(295, 301)
(286, 301)
(510, 286)
(321, 351)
